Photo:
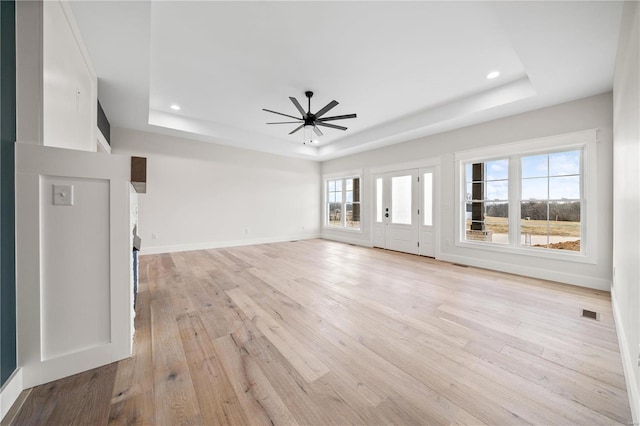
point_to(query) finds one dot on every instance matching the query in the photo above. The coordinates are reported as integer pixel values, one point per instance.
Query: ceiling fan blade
(326, 108)
(279, 113)
(287, 122)
(298, 106)
(333, 126)
(337, 117)
(296, 129)
(317, 131)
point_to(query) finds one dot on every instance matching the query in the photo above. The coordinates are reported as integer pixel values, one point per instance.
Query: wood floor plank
(307, 364)
(351, 387)
(591, 393)
(317, 332)
(374, 372)
(175, 397)
(90, 392)
(216, 397)
(260, 401)
(132, 401)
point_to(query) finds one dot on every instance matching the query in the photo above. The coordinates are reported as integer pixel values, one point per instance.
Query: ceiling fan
(309, 120)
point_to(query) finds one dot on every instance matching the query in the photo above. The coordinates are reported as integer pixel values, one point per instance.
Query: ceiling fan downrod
(309, 94)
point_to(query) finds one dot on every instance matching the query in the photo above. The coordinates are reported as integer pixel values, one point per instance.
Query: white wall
(626, 198)
(72, 262)
(202, 195)
(588, 113)
(70, 84)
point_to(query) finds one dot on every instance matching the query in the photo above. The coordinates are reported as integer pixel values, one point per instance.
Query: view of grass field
(560, 235)
(499, 225)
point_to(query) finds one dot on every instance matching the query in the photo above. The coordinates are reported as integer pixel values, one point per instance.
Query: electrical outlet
(62, 195)
(154, 236)
(246, 231)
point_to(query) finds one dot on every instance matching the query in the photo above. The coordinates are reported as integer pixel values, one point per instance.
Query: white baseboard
(527, 271)
(628, 364)
(222, 244)
(10, 392)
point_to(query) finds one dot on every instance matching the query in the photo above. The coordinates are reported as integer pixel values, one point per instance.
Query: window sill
(563, 255)
(341, 229)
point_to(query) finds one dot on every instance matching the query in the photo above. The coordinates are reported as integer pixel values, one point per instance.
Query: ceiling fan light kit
(308, 121)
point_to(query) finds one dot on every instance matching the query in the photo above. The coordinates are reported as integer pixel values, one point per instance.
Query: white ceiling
(408, 69)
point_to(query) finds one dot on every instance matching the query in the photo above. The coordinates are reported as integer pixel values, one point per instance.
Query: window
(531, 196)
(487, 201)
(550, 203)
(343, 203)
(334, 202)
(401, 199)
(427, 197)
(379, 200)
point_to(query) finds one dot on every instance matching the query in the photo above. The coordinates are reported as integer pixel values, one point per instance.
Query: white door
(397, 224)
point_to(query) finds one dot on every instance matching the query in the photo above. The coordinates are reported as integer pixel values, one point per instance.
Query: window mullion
(514, 200)
(548, 201)
(343, 216)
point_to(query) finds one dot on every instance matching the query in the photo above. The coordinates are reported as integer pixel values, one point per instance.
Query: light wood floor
(323, 333)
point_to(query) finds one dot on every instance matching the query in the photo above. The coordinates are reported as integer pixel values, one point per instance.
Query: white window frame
(586, 141)
(354, 174)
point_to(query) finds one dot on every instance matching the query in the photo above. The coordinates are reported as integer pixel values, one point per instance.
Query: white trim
(343, 174)
(10, 392)
(222, 244)
(590, 197)
(427, 162)
(628, 364)
(342, 239)
(565, 140)
(326, 227)
(77, 35)
(528, 271)
(102, 144)
(564, 255)
(86, 57)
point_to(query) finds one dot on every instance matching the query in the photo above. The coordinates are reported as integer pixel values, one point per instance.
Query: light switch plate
(62, 195)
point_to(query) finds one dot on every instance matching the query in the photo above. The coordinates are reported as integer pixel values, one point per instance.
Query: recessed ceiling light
(493, 74)
(175, 107)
